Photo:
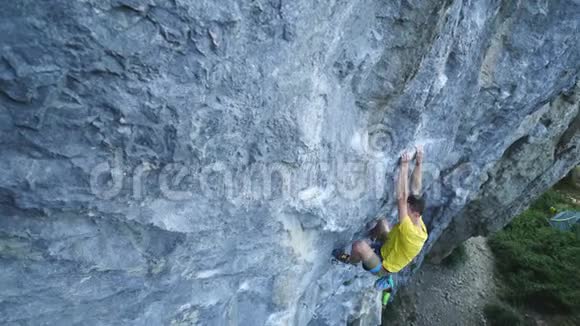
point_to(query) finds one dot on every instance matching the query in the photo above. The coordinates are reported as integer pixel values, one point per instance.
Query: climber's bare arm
(417, 174)
(402, 189)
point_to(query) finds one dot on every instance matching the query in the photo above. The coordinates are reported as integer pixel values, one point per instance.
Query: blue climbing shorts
(376, 246)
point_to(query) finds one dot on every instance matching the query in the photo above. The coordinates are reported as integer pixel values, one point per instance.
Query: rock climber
(390, 250)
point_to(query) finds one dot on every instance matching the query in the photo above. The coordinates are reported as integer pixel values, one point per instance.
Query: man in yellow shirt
(397, 247)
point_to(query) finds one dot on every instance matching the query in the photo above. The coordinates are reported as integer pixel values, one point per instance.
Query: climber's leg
(380, 231)
(361, 251)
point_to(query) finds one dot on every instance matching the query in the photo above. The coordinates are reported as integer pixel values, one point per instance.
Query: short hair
(416, 203)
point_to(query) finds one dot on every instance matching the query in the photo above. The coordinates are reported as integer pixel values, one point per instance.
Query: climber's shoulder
(417, 228)
(423, 227)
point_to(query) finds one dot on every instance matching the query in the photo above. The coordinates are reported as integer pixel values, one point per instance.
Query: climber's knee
(372, 264)
(371, 261)
(361, 248)
(381, 230)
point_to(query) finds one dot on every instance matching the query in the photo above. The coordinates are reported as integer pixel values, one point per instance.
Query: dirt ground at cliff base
(441, 295)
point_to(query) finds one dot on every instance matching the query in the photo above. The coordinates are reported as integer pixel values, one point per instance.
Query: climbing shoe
(341, 256)
(384, 283)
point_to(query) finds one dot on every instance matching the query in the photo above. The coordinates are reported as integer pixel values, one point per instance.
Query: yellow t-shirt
(403, 243)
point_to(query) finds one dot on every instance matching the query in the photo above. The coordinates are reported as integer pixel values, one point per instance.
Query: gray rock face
(195, 162)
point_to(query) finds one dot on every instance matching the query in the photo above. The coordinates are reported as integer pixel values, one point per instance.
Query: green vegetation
(457, 257)
(539, 265)
(395, 312)
(499, 314)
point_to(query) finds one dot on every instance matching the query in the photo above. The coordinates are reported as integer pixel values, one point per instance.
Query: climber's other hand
(405, 157)
(420, 153)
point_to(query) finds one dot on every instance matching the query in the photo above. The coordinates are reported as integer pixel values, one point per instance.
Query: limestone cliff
(194, 162)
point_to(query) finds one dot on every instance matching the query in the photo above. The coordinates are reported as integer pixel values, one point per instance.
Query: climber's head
(415, 206)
